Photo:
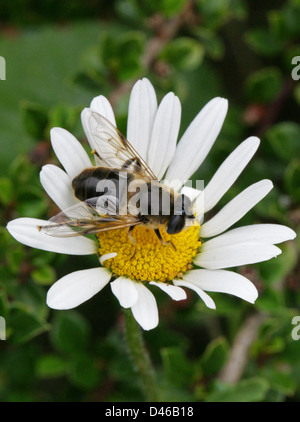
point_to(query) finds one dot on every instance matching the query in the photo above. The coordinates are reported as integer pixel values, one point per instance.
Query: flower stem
(140, 357)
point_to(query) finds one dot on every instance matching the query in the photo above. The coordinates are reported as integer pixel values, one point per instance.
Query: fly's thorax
(150, 198)
(155, 221)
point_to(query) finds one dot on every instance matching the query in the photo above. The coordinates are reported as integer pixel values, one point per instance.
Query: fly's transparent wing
(112, 147)
(91, 216)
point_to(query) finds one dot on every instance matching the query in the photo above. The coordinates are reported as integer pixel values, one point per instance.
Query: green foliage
(35, 119)
(120, 56)
(284, 139)
(292, 179)
(183, 53)
(215, 356)
(178, 369)
(70, 332)
(248, 390)
(263, 42)
(262, 86)
(231, 48)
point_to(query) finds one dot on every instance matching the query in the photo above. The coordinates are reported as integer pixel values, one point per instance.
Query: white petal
(224, 282)
(102, 106)
(86, 124)
(206, 299)
(255, 233)
(76, 288)
(145, 310)
(197, 140)
(197, 199)
(107, 256)
(234, 255)
(164, 135)
(125, 291)
(191, 193)
(228, 172)
(69, 151)
(236, 208)
(141, 114)
(25, 230)
(57, 184)
(176, 293)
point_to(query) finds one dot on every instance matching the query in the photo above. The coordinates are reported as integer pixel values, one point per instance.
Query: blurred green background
(59, 55)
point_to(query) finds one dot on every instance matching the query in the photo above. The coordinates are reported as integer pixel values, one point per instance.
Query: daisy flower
(203, 252)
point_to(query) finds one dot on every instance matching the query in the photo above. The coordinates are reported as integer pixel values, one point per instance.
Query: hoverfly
(117, 158)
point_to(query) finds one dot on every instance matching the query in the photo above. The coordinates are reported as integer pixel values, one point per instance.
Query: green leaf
(14, 257)
(286, 22)
(63, 116)
(263, 42)
(89, 79)
(250, 390)
(130, 48)
(271, 207)
(215, 356)
(183, 53)
(50, 366)
(280, 380)
(211, 42)
(214, 12)
(292, 179)
(280, 267)
(178, 368)
(45, 275)
(6, 190)
(170, 8)
(35, 119)
(24, 325)
(284, 139)
(4, 305)
(121, 56)
(83, 373)
(129, 10)
(264, 85)
(297, 88)
(70, 332)
(238, 8)
(274, 346)
(32, 208)
(271, 300)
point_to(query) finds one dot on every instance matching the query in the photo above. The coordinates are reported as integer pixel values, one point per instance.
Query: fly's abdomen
(95, 182)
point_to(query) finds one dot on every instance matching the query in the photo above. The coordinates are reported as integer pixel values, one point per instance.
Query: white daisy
(153, 132)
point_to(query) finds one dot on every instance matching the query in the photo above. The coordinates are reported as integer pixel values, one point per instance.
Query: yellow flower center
(149, 259)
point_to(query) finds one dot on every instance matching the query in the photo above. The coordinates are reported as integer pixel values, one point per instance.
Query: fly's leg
(157, 232)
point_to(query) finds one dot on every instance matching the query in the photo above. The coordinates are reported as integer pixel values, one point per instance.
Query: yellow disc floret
(147, 258)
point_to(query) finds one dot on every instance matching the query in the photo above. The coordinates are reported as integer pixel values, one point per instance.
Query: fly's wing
(112, 147)
(88, 217)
